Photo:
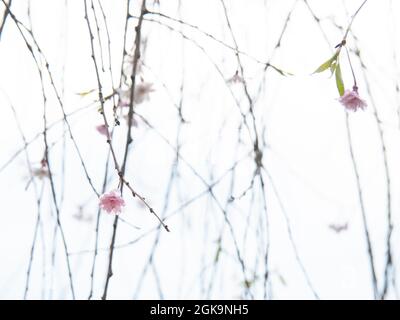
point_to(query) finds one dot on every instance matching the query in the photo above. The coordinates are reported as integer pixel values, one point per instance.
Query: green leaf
(324, 66)
(339, 79)
(327, 64)
(333, 68)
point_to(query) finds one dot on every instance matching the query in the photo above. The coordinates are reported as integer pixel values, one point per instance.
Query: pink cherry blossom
(142, 93)
(112, 202)
(102, 129)
(352, 101)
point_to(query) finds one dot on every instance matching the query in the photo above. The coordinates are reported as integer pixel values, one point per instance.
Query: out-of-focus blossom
(102, 129)
(43, 163)
(236, 78)
(134, 121)
(124, 96)
(41, 172)
(352, 101)
(82, 216)
(339, 227)
(142, 93)
(112, 202)
(128, 66)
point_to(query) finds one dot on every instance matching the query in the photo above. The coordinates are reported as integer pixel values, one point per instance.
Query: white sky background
(306, 153)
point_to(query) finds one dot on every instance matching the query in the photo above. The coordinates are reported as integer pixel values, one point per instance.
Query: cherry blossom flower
(102, 129)
(112, 202)
(236, 78)
(352, 101)
(142, 92)
(40, 173)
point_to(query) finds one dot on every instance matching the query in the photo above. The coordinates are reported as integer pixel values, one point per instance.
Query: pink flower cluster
(352, 101)
(112, 202)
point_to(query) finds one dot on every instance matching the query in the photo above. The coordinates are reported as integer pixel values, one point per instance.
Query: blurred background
(270, 188)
